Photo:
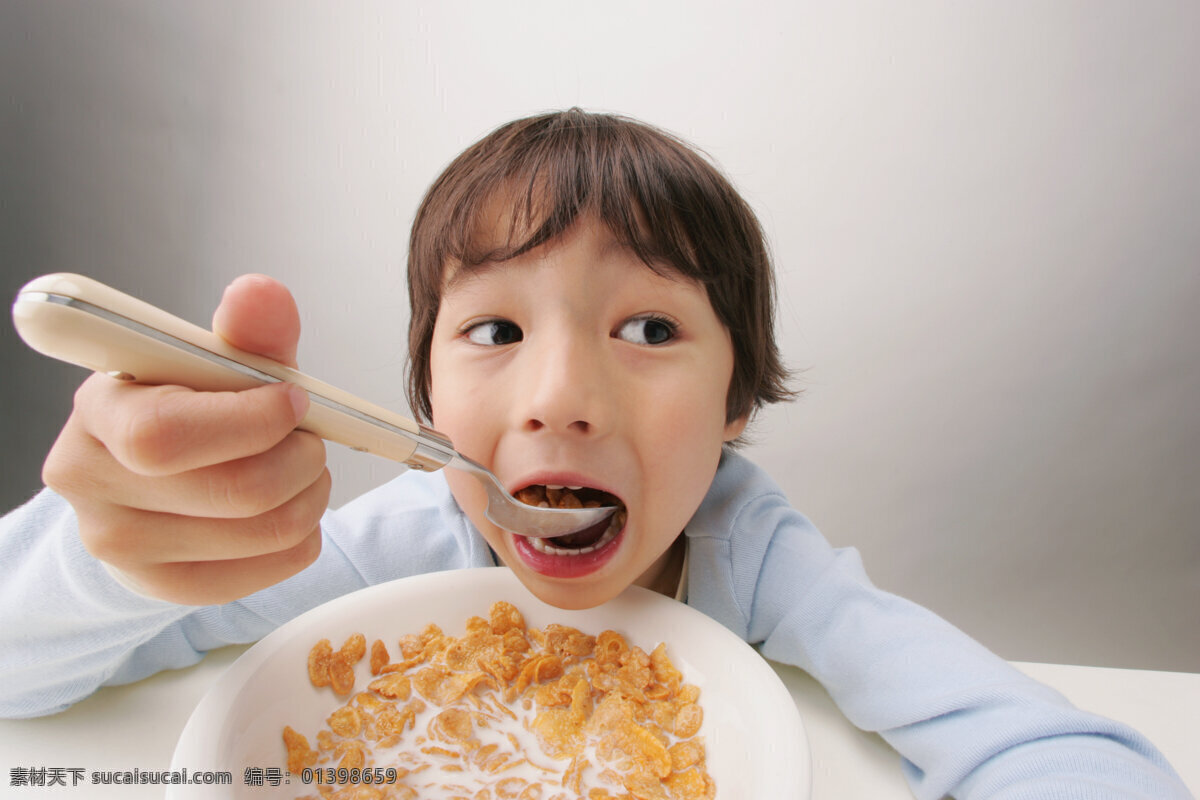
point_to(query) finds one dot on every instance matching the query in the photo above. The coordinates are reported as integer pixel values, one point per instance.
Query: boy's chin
(567, 594)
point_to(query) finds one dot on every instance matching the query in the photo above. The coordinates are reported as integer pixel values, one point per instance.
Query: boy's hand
(199, 497)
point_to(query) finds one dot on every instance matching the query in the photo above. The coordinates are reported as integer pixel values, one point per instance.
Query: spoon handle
(81, 321)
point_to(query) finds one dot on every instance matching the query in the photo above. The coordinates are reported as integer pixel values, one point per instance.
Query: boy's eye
(494, 332)
(647, 330)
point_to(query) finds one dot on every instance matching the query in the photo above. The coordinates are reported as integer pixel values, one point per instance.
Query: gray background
(984, 217)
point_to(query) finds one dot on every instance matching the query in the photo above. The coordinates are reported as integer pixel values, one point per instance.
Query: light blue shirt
(965, 722)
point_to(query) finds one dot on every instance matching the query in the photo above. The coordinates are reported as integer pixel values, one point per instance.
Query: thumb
(258, 314)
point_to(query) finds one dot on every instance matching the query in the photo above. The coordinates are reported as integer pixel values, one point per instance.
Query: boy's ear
(734, 429)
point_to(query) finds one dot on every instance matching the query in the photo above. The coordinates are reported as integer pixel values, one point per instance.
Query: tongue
(583, 538)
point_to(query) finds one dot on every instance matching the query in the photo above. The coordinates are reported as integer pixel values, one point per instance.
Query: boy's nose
(567, 389)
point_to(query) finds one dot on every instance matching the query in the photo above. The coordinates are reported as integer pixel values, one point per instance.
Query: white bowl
(754, 738)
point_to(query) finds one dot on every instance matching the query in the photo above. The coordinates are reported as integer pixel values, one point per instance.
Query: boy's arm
(966, 722)
(69, 627)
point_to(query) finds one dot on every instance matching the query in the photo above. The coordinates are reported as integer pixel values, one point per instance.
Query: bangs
(531, 185)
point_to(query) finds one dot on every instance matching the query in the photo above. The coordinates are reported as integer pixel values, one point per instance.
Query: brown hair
(655, 192)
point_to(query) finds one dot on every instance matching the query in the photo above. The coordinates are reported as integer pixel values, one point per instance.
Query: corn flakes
(505, 712)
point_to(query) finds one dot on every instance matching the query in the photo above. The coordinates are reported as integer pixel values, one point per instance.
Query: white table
(135, 728)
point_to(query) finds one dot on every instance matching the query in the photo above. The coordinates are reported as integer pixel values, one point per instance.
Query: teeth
(554, 487)
(614, 527)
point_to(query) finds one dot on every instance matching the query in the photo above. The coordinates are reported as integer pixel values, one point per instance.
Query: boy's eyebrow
(456, 273)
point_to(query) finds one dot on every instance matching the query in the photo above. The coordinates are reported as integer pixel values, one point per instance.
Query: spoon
(81, 321)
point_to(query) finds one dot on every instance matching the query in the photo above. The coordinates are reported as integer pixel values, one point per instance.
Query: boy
(591, 307)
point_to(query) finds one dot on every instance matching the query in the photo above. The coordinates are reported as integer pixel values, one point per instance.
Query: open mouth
(581, 542)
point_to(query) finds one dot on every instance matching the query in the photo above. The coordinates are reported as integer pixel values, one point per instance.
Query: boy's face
(577, 365)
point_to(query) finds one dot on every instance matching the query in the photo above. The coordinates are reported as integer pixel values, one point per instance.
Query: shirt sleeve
(966, 723)
(69, 627)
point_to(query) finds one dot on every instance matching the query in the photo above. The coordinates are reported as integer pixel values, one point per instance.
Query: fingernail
(299, 399)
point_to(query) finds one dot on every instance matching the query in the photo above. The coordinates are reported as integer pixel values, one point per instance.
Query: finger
(238, 489)
(217, 582)
(258, 314)
(132, 539)
(162, 430)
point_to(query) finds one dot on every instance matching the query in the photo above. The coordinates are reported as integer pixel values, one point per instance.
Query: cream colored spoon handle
(76, 319)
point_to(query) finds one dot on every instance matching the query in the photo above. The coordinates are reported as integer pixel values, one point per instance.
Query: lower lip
(553, 566)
